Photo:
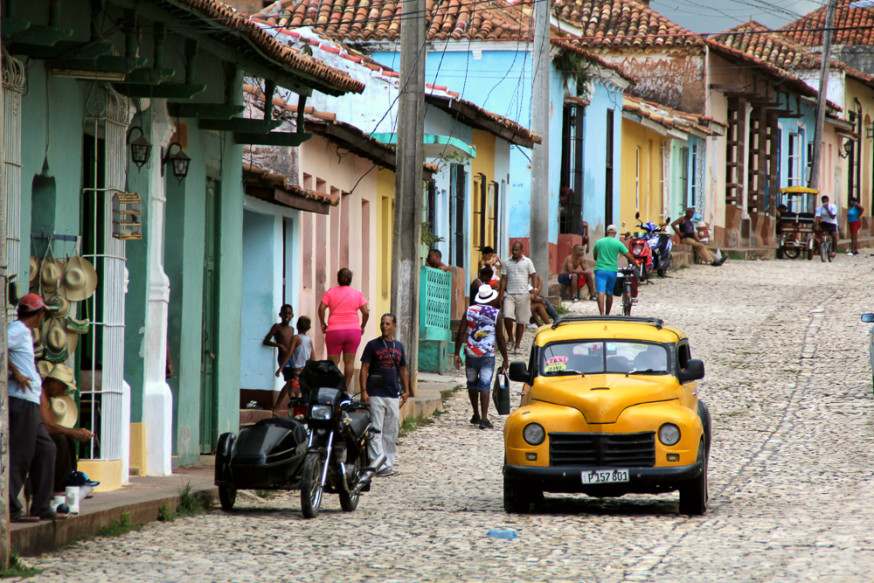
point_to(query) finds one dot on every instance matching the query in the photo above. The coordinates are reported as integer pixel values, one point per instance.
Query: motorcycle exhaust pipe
(367, 476)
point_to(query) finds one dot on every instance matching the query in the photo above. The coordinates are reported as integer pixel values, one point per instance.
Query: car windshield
(625, 357)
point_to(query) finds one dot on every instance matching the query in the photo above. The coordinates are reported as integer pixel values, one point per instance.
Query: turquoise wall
(259, 258)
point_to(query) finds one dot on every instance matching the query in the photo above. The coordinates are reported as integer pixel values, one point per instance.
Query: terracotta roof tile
(221, 16)
(264, 176)
(622, 24)
(779, 50)
(380, 20)
(667, 117)
(852, 26)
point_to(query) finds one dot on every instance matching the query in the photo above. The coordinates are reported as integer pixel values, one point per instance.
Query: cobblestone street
(789, 388)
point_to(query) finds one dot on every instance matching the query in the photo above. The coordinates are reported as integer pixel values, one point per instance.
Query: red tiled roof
(253, 173)
(760, 42)
(377, 20)
(622, 24)
(564, 44)
(852, 26)
(221, 17)
(668, 117)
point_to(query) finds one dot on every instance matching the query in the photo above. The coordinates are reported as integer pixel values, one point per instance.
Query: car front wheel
(519, 496)
(693, 494)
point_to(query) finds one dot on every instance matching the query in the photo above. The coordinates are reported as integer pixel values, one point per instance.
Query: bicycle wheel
(626, 300)
(825, 249)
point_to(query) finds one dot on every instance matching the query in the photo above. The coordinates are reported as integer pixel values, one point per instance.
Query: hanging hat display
(80, 279)
(39, 351)
(50, 274)
(44, 367)
(59, 306)
(56, 341)
(65, 410)
(34, 272)
(37, 335)
(77, 326)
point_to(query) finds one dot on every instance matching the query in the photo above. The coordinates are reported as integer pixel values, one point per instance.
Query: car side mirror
(519, 372)
(868, 318)
(694, 371)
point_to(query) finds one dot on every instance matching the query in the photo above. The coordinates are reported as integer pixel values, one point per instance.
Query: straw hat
(37, 335)
(56, 341)
(80, 279)
(65, 410)
(34, 270)
(50, 273)
(63, 373)
(59, 306)
(44, 367)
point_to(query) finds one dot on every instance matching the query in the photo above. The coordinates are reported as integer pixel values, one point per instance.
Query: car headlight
(669, 434)
(320, 412)
(534, 434)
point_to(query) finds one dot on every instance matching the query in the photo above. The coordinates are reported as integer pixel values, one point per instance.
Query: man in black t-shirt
(386, 383)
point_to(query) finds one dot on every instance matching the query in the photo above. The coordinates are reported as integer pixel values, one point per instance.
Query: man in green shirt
(607, 252)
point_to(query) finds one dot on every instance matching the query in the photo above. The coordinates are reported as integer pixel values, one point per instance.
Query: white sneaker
(533, 326)
(850, 253)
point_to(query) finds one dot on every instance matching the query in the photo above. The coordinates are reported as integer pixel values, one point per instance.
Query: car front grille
(617, 450)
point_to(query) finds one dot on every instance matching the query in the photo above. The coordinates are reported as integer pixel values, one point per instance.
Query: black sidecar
(266, 456)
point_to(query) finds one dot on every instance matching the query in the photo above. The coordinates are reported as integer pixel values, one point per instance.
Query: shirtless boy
(574, 273)
(280, 336)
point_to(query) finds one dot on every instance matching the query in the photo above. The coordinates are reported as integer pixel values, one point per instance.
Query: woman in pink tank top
(343, 331)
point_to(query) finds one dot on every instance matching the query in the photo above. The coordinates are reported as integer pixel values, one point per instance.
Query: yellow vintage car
(611, 409)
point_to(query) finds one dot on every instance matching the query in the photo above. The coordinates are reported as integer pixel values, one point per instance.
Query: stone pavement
(792, 492)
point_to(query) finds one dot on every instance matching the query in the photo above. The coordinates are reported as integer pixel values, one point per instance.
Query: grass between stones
(190, 504)
(18, 568)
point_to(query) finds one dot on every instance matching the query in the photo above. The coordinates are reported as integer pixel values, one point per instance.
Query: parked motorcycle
(326, 453)
(659, 242)
(640, 249)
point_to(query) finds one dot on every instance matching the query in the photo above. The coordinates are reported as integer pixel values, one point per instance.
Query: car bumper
(569, 479)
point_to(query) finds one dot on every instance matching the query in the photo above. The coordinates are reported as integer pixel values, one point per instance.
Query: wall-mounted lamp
(180, 161)
(140, 148)
(869, 131)
(846, 150)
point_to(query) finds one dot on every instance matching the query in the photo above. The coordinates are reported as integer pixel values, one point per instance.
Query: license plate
(605, 476)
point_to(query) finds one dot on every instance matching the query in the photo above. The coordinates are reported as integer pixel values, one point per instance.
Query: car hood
(602, 397)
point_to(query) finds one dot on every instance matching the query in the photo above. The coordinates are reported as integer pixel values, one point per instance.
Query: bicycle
(825, 247)
(627, 274)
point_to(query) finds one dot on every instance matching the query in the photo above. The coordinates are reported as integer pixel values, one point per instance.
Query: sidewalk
(141, 499)
(145, 495)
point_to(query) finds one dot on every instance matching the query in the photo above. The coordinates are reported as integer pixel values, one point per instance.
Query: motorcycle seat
(359, 420)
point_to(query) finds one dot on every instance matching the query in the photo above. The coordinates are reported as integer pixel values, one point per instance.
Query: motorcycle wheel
(349, 501)
(227, 496)
(311, 485)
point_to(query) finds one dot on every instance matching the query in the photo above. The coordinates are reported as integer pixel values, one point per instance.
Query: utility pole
(4, 373)
(822, 98)
(539, 229)
(408, 183)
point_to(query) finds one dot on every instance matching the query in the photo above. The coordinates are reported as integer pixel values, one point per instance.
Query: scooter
(638, 244)
(659, 242)
(324, 450)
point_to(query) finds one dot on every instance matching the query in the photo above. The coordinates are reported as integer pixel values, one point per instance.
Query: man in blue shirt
(31, 450)
(386, 383)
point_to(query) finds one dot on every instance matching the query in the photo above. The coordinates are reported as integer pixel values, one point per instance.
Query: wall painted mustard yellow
(385, 190)
(482, 172)
(641, 175)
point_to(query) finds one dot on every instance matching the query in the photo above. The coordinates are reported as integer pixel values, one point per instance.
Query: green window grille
(435, 303)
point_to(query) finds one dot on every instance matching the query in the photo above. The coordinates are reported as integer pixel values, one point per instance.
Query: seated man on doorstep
(541, 308)
(574, 273)
(56, 384)
(686, 228)
(435, 260)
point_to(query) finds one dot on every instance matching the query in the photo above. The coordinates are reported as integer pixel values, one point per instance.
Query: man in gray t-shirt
(518, 272)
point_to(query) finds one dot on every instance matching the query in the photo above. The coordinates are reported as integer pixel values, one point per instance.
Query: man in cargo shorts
(518, 273)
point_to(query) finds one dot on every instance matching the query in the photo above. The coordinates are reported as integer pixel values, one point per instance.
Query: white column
(157, 397)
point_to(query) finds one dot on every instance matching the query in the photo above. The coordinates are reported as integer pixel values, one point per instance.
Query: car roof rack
(657, 322)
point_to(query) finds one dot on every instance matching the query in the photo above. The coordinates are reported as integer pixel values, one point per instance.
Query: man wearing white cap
(480, 331)
(31, 450)
(59, 414)
(606, 253)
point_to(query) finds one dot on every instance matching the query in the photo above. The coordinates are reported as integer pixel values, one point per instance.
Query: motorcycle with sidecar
(323, 451)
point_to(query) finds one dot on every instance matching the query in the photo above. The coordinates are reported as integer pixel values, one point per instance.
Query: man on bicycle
(826, 218)
(607, 252)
